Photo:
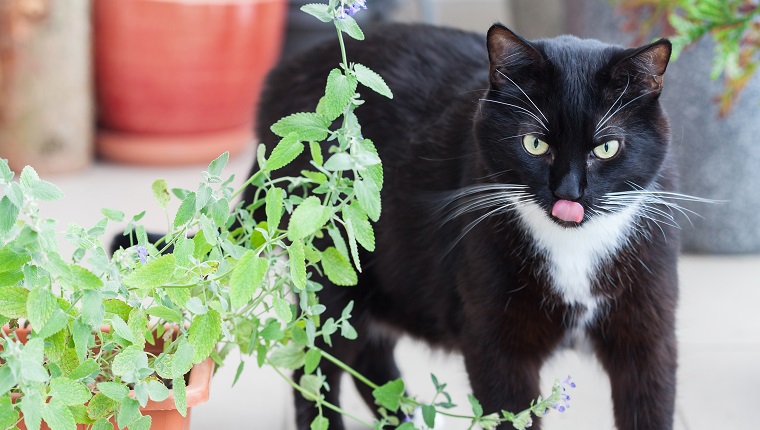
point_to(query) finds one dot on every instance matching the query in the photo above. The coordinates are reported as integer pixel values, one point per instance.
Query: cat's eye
(534, 145)
(607, 150)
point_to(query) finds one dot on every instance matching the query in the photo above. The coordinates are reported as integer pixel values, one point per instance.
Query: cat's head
(572, 121)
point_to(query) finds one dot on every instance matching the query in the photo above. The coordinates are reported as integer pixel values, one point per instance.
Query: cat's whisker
(521, 135)
(521, 109)
(499, 210)
(623, 106)
(598, 124)
(526, 96)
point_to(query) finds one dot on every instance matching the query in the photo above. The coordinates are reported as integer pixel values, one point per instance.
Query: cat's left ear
(509, 54)
(643, 69)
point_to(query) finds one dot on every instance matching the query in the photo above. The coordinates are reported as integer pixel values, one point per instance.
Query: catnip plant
(218, 283)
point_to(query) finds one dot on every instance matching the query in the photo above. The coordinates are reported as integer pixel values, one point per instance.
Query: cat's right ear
(509, 53)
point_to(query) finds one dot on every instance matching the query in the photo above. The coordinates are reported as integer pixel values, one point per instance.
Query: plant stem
(342, 49)
(348, 369)
(329, 405)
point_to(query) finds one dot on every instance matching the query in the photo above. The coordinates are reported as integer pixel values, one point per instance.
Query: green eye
(607, 150)
(534, 145)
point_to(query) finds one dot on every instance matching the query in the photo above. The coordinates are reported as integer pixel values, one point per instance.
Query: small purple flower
(352, 9)
(142, 254)
(568, 382)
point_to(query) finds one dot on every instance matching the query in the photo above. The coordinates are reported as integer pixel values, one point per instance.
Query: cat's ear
(509, 52)
(644, 67)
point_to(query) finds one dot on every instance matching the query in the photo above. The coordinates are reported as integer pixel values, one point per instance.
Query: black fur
(488, 293)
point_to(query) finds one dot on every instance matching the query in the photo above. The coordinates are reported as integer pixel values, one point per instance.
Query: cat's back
(426, 67)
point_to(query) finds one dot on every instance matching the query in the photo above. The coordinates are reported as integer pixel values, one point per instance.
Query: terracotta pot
(164, 414)
(192, 69)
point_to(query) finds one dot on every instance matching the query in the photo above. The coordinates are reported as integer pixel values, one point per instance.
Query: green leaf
(6, 174)
(78, 278)
(204, 333)
(118, 307)
(290, 356)
(157, 390)
(389, 395)
(8, 414)
(246, 278)
(130, 359)
(180, 395)
(306, 125)
(121, 329)
(43, 312)
(84, 370)
(316, 152)
(282, 309)
(58, 416)
(7, 379)
(428, 415)
(349, 26)
(128, 413)
(102, 424)
(11, 261)
(8, 214)
(311, 360)
(368, 196)
(81, 334)
(167, 314)
(153, 274)
(338, 93)
(337, 268)
(216, 167)
(37, 188)
(186, 210)
(93, 310)
(319, 423)
(274, 208)
(353, 246)
(286, 151)
(373, 173)
(100, 407)
(297, 264)
(372, 80)
(142, 423)
(477, 409)
(340, 162)
(182, 361)
(312, 384)
(113, 214)
(307, 218)
(319, 11)
(161, 192)
(360, 225)
(69, 392)
(138, 323)
(114, 390)
(220, 212)
(13, 302)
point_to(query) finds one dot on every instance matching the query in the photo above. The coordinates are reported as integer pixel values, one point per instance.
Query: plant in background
(219, 282)
(734, 25)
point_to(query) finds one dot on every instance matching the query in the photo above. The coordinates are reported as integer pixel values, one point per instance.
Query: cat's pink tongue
(566, 210)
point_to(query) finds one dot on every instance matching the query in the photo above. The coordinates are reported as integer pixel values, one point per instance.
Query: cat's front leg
(641, 361)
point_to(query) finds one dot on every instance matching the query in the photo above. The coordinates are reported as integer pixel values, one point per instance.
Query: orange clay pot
(164, 414)
(174, 71)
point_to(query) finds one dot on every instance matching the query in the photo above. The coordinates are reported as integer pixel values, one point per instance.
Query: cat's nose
(569, 187)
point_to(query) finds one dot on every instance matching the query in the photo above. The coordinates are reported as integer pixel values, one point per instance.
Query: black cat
(527, 204)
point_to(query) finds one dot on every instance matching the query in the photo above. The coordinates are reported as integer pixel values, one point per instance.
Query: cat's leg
(640, 355)
(501, 380)
(335, 299)
(376, 363)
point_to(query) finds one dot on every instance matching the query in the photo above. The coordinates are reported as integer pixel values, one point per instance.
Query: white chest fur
(574, 255)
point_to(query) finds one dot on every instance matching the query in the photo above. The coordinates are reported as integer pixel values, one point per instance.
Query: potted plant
(217, 282)
(177, 81)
